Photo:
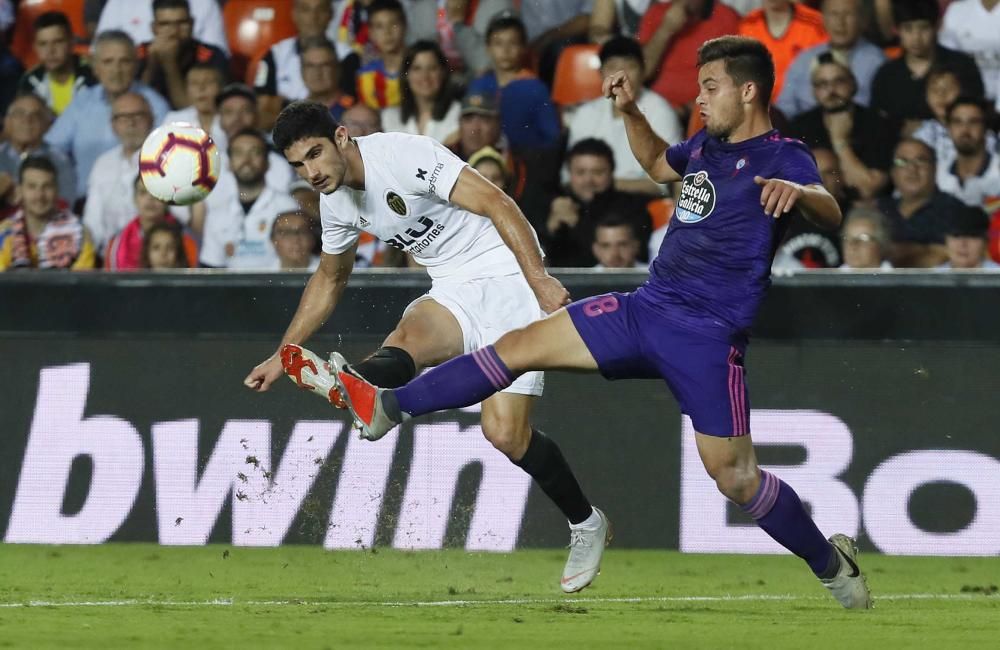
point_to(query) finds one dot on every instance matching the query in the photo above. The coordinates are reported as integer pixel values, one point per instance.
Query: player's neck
(756, 124)
(354, 174)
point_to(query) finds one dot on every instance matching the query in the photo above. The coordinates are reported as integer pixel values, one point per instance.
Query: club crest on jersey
(396, 203)
(697, 200)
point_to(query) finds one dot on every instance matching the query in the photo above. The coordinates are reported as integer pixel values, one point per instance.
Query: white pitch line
(569, 600)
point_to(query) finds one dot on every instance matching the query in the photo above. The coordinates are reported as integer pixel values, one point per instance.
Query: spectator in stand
(786, 28)
(864, 240)
(237, 107)
(124, 251)
(589, 197)
(478, 127)
(293, 240)
(10, 73)
(973, 176)
(843, 22)
(600, 119)
(943, 88)
(378, 78)
(238, 223)
(973, 27)
(165, 60)
(24, 125)
(833, 178)
(616, 245)
(60, 73)
(551, 26)
(861, 139)
(84, 130)
(163, 248)
(528, 117)
(350, 26)
(321, 76)
(899, 89)
(459, 27)
(616, 17)
(279, 74)
(493, 166)
(918, 212)
(671, 33)
(136, 19)
(362, 120)
(110, 188)
(428, 105)
(204, 83)
(41, 235)
(966, 241)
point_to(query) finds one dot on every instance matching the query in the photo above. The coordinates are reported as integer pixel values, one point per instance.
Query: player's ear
(749, 92)
(341, 138)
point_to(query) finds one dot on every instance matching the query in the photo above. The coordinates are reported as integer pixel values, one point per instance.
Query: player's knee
(508, 436)
(736, 483)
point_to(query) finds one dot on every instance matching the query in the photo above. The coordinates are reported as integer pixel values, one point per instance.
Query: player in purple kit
(689, 323)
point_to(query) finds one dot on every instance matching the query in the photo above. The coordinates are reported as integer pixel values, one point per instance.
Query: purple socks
(463, 381)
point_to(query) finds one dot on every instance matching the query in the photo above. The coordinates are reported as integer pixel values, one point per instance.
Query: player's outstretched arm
(320, 297)
(647, 147)
(474, 193)
(816, 204)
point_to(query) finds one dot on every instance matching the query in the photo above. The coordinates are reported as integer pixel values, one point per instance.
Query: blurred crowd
(897, 99)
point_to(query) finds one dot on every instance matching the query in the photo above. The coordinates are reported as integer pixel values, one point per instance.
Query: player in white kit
(487, 278)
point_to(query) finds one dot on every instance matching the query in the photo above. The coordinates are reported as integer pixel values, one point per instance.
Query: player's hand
(261, 377)
(550, 292)
(778, 197)
(618, 89)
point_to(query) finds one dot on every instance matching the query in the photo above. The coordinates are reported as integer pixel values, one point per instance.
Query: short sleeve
(338, 236)
(428, 167)
(798, 164)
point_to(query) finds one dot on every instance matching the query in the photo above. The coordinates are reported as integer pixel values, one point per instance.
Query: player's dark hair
(592, 147)
(300, 120)
(386, 5)
(408, 103)
(615, 220)
(39, 162)
(622, 46)
(159, 5)
(746, 59)
(175, 232)
(52, 19)
(248, 132)
(504, 21)
(968, 100)
(905, 11)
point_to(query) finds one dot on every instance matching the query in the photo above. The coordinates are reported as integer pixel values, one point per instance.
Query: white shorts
(488, 308)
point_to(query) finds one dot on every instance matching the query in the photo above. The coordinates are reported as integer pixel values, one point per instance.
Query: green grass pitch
(138, 595)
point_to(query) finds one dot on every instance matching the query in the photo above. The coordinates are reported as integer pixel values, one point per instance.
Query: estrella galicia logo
(697, 199)
(422, 174)
(396, 203)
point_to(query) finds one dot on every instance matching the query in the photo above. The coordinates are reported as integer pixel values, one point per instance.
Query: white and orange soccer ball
(179, 163)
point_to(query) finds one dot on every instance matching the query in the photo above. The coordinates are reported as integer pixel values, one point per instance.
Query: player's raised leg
(550, 343)
(776, 508)
(507, 425)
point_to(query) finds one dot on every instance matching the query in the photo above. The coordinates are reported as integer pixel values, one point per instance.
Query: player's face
(833, 87)
(235, 114)
(38, 193)
(202, 87)
(425, 76)
(589, 176)
(861, 247)
(162, 251)
(506, 49)
(248, 159)
(720, 100)
(913, 170)
(311, 17)
(942, 91)
(965, 252)
(293, 241)
(967, 127)
(387, 31)
(917, 37)
(615, 247)
(318, 161)
(52, 45)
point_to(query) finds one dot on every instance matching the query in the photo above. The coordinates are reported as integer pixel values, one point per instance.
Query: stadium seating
(23, 36)
(252, 26)
(578, 75)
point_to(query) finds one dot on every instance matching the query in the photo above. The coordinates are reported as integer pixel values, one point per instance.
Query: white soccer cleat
(849, 586)
(586, 546)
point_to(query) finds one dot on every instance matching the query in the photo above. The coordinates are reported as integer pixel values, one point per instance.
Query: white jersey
(405, 203)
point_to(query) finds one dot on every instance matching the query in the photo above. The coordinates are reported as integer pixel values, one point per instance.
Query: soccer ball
(179, 163)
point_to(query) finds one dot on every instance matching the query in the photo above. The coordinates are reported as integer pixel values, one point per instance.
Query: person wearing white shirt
(204, 83)
(600, 119)
(293, 240)
(973, 27)
(239, 218)
(427, 106)
(973, 176)
(135, 17)
(966, 241)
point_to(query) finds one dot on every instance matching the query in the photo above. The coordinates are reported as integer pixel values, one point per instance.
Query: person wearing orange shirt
(786, 28)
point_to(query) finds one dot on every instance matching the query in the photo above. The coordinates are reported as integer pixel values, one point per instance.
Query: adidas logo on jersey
(365, 223)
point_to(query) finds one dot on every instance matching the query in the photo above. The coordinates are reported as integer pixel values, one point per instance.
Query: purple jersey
(714, 266)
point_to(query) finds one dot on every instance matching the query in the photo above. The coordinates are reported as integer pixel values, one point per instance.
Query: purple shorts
(631, 340)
